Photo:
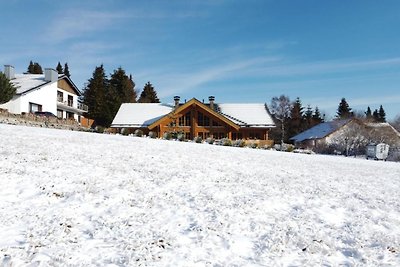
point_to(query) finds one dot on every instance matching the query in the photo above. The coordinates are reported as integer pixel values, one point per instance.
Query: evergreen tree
(375, 115)
(316, 117)
(30, 67)
(121, 90)
(344, 110)
(59, 68)
(37, 69)
(148, 95)
(382, 114)
(34, 68)
(66, 70)
(7, 89)
(308, 117)
(296, 121)
(368, 114)
(95, 97)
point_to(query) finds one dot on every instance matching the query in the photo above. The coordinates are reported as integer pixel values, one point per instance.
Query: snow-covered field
(83, 199)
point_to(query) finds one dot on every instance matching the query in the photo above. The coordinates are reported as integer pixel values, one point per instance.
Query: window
(216, 124)
(34, 107)
(60, 96)
(70, 100)
(60, 113)
(202, 120)
(185, 120)
(70, 115)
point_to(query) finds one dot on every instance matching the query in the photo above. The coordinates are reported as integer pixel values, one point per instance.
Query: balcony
(69, 105)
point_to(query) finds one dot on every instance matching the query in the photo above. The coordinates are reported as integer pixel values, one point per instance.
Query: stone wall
(29, 119)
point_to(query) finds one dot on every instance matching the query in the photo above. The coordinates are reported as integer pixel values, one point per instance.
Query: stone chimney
(9, 71)
(211, 99)
(176, 100)
(50, 75)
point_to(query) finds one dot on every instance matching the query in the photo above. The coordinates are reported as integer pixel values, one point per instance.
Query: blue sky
(238, 51)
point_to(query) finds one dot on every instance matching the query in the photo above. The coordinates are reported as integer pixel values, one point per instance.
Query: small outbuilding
(377, 151)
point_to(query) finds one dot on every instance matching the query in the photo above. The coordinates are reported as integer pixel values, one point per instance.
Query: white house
(52, 92)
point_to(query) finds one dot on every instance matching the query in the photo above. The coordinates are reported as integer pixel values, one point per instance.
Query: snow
(140, 114)
(86, 199)
(320, 131)
(25, 82)
(247, 114)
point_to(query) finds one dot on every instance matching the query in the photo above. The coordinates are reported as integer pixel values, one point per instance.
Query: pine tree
(375, 115)
(121, 90)
(381, 114)
(344, 110)
(37, 69)
(308, 117)
(59, 68)
(30, 67)
(66, 70)
(7, 89)
(34, 68)
(95, 97)
(368, 114)
(296, 121)
(148, 95)
(316, 117)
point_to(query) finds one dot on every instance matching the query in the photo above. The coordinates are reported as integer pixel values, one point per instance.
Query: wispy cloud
(80, 22)
(324, 67)
(173, 83)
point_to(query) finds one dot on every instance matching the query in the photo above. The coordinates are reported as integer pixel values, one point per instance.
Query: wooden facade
(194, 118)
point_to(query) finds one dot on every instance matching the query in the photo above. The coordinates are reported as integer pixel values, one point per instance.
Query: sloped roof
(145, 114)
(140, 114)
(386, 131)
(27, 82)
(248, 114)
(320, 131)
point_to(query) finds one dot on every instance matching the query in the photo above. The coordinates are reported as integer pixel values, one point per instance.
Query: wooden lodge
(195, 118)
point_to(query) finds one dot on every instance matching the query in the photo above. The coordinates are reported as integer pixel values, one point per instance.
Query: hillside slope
(80, 199)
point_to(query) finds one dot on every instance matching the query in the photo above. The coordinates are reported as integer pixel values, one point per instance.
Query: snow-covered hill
(81, 199)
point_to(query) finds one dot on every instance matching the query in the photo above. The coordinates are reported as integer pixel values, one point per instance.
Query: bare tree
(352, 139)
(281, 108)
(396, 123)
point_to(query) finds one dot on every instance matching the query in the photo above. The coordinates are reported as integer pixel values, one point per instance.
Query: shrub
(99, 129)
(167, 136)
(239, 143)
(125, 131)
(210, 140)
(152, 134)
(138, 133)
(198, 139)
(226, 142)
(180, 136)
(253, 145)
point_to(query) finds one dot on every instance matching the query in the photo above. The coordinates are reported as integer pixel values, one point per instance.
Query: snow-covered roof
(140, 114)
(26, 82)
(320, 131)
(247, 114)
(144, 114)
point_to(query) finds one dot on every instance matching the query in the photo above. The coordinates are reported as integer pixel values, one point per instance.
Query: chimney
(9, 71)
(176, 100)
(211, 99)
(50, 75)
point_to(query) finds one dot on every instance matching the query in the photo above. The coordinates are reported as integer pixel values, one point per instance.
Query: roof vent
(211, 99)
(176, 100)
(50, 75)
(9, 71)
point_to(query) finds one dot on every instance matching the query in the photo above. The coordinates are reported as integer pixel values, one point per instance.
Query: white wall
(45, 96)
